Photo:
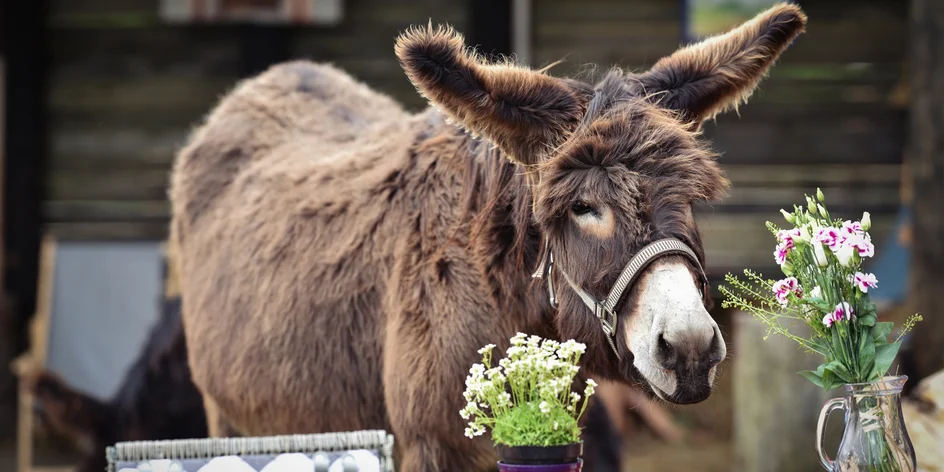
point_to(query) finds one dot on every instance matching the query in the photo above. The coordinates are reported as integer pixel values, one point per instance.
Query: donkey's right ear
(523, 111)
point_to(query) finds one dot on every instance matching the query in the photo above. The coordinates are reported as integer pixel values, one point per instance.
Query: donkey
(342, 260)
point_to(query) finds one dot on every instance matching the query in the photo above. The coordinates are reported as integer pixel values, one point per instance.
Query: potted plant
(827, 289)
(528, 403)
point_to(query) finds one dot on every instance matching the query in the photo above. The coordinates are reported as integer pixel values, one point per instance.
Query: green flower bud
(787, 216)
(820, 196)
(811, 206)
(866, 221)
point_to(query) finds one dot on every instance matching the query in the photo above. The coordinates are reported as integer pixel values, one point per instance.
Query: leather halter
(605, 309)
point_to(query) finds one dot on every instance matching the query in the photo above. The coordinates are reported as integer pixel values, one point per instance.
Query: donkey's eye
(580, 208)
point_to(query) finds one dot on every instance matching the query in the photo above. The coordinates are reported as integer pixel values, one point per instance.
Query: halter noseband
(605, 310)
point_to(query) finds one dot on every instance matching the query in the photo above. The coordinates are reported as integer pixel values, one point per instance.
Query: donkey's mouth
(688, 391)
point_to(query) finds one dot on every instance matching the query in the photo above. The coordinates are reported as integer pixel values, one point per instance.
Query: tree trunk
(775, 409)
(926, 156)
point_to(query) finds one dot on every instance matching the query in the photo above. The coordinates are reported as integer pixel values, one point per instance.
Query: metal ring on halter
(605, 309)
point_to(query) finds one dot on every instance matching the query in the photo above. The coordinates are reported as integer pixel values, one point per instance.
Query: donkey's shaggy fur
(341, 260)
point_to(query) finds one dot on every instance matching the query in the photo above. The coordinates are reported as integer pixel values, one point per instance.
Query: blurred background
(99, 94)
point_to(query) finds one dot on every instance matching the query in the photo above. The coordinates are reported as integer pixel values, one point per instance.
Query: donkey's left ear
(525, 112)
(721, 72)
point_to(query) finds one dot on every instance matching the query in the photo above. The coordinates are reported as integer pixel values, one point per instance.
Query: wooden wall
(830, 115)
(126, 89)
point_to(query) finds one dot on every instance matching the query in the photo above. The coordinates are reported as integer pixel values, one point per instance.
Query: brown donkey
(341, 260)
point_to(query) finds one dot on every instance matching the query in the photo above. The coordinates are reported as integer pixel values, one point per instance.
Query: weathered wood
(122, 146)
(926, 161)
(106, 210)
(169, 100)
(108, 183)
(109, 231)
(141, 53)
(799, 137)
(734, 242)
(775, 409)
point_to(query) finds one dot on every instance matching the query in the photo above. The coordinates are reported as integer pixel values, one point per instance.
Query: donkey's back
(281, 206)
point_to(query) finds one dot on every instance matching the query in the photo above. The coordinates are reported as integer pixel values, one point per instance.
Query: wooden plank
(35, 358)
(105, 210)
(176, 100)
(809, 138)
(108, 184)
(734, 242)
(811, 176)
(141, 53)
(108, 231)
(585, 11)
(84, 148)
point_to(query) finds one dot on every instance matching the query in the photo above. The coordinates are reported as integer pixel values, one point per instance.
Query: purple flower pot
(540, 459)
(569, 467)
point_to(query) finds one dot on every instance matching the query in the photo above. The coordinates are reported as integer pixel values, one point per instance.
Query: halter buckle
(606, 316)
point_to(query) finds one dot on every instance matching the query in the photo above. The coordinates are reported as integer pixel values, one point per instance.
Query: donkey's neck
(503, 237)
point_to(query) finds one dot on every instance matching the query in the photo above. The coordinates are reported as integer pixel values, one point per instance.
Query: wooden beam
(23, 43)
(261, 46)
(926, 163)
(490, 26)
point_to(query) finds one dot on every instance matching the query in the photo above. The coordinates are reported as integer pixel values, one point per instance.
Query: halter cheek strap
(605, 309)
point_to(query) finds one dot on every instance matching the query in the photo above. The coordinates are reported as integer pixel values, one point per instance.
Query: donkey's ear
(721, 72)
(523, 111)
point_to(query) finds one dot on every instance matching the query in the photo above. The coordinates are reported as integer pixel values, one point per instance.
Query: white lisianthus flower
(844, 254)
(820, 254)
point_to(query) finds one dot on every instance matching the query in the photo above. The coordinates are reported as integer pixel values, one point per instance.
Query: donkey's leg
(602, 442)
(217, 425)
(423, 403)
(424, 375)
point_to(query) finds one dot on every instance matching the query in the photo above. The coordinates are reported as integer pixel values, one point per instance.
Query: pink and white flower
(783, 288)
(852, 228)
(864, 281)
(863, 244)
(783, 249)
(831, 237)
(842, 312)
(788, 235)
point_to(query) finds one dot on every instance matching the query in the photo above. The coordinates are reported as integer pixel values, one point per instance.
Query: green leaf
(829, 379)
(867, 320)
(866, 356)
(884, 356)
(881, 331)
(840, 371)
(813, 376)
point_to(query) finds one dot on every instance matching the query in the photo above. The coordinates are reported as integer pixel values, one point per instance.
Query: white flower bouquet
(526, 400)
(826, 289)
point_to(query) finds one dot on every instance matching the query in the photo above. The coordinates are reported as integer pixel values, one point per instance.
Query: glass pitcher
(875, 438)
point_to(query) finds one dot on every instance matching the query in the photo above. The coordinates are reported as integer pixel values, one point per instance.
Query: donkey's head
(616, 166)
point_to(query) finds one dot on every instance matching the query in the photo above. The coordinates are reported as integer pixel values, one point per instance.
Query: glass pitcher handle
(829, 407)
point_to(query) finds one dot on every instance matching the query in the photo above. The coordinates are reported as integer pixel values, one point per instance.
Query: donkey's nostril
(665, 353)
(717, 352)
